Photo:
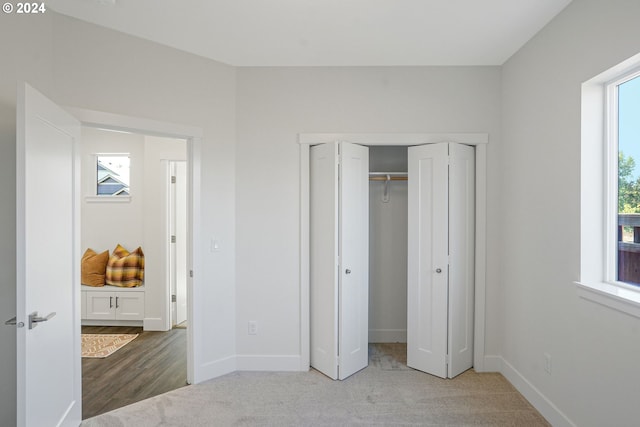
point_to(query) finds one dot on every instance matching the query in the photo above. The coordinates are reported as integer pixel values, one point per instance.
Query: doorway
(388, 210)
(440, 230)
(35, 110)
(149, 212)
(474, 139)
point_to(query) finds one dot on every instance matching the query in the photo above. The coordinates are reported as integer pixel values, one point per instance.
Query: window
(623, 113)
(609, 184)
(112, 175)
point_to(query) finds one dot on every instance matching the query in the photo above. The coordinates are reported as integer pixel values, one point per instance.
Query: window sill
(618, 298)
(107, 199)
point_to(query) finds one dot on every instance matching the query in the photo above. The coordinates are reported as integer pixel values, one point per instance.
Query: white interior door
(181, 240)
(48, 270)
(339, 252)
(323, 263)
(427, 262)
(461, 257)
(354, 259)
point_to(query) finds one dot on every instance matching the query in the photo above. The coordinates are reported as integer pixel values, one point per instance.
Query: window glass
(628, 131)
(113, 175)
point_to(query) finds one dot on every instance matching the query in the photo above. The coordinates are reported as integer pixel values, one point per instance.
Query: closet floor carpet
(151, 364)
(384, 393)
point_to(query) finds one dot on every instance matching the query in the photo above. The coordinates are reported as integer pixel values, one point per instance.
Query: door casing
(479, 140)
(193, 136)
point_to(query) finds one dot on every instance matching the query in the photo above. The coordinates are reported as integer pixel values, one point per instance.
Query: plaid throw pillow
(125, 269)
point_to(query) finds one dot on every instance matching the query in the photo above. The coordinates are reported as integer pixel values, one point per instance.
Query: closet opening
(356, 248)
(388, 253)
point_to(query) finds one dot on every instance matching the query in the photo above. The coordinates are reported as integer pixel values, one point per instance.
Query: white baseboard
(539, 401)
(268, 363)
(214, 369)
(154, 324)
(387, 335)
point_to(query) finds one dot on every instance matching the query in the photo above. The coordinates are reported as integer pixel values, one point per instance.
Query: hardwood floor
(152, 364)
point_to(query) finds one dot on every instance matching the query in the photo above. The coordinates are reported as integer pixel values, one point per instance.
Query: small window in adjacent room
(624, 145)
(112, 175)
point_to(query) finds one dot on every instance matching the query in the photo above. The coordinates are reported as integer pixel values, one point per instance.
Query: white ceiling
(328, 32)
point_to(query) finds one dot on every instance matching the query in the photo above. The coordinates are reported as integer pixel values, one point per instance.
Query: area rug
(103, 345)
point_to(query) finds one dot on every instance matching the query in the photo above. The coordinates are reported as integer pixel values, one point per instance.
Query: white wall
(103, 70)
(274, 105)
(106, 224)
(83, 65)
(594, 350)
(388, 248)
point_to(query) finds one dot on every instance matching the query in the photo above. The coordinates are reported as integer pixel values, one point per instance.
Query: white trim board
(479, 140)
(533, 395)
(196, 369)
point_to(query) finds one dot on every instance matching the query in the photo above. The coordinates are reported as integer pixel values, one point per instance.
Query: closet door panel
(354, 259)
(324, 258)
(427, 263)
(461, 256)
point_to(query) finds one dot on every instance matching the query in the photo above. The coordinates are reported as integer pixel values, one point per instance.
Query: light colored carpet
(103, 345)
(385, 393)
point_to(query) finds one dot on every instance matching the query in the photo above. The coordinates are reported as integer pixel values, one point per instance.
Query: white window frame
(94, 196)
(599, 192)
(611, 176)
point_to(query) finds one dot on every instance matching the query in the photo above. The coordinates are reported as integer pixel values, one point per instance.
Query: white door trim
(479, 140)
(193, 135)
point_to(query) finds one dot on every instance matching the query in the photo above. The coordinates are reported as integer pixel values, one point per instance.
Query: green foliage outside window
(628, 189)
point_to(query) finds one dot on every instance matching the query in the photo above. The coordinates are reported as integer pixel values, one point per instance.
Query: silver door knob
(34, 319)
(12, 322)
(438, 270)
(347, 271)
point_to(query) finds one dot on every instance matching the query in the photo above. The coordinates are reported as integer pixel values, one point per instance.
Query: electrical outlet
(547, 363)
(253, 327)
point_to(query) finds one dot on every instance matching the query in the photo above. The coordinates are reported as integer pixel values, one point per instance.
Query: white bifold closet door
(339, 252)
(441, 227)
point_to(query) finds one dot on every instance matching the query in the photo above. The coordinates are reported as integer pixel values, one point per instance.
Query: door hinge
(174, 298)
(173, 238)
(190, 273)
(173, 179)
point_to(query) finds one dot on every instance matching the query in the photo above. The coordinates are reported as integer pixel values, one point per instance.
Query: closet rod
(391, 178)
(388, 176)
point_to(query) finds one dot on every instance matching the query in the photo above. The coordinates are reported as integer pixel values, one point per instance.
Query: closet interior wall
(388, 247)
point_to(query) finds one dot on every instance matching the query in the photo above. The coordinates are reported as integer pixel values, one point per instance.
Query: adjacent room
(134, 238)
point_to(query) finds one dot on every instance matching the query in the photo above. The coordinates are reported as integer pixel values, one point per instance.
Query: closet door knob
(438, 270)
(347, 271)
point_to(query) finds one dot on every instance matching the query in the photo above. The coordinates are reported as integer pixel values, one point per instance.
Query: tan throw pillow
(125, 269)
(93, 268)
